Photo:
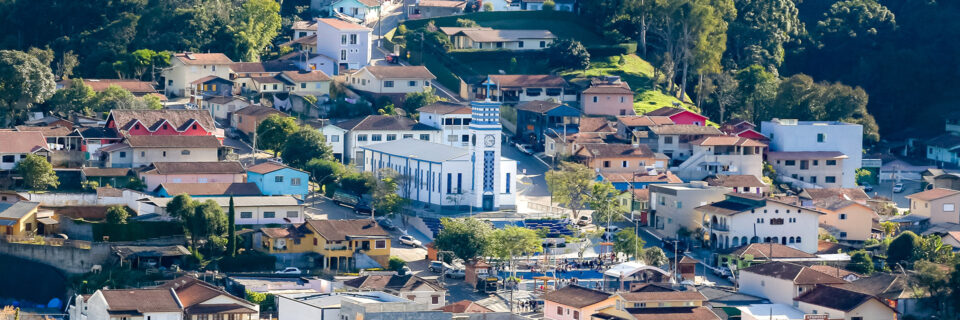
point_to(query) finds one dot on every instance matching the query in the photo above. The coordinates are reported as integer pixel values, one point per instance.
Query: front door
(488, 202)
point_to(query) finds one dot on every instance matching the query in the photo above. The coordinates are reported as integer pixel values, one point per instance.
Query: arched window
(766, 239)
(755, 239)
(798, 239)
(792, 239)
(743, 240)
(736, 242)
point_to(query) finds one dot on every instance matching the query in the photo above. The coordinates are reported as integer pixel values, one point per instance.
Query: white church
(447, 177)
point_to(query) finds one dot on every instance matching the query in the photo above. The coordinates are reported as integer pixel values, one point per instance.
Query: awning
(48, 221)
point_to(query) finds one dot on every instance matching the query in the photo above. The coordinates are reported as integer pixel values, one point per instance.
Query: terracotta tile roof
(464, 306)
(312, 76)
(212, 189)
(575, 296)
(663, 296)
(445, 107)
(109, 192)
(629, 177)
(766, 251)
(304, 25)
(173, 141)
(735, 180)
(449, 31)
(141, 300)
(883, 285)
(794, 272)
(310, 40)
(269, 79)
(644, 121)
(208, 79)
(178, 118)
(22, 141)
(136, 87)
(607, 88)
(801, 155)
(855, 194)
(947, 141)
(50, 131)
(223, 167)
(687, 129)
(400, 72)
(191, 58)
(595, 124)
(274, 66)
(932, 194)
(834, 271)
(667, 111)
(383, 122)
(528, 80)
(673, 313)
(538, 106)
(105, 172)
(397, 283)
(642, 194)
(615, 150)
(257, 111)
(727, 141)
(836, 298)
(340, 230)
(343, 25)
(268, 167)
(498, 35)
(290, 231)
(192, 291)
(827, 247)
(223, 100)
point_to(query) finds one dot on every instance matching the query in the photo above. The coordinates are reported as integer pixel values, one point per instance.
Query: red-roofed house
(680, 115)
(166, 122)
(742, 128)
(608, 97)
(16, 145)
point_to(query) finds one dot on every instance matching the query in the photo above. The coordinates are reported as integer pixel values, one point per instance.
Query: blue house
(212, 86)
(275, 179)
(538, 118)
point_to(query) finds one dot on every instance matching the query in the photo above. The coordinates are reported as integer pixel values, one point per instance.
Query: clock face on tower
(489, 140)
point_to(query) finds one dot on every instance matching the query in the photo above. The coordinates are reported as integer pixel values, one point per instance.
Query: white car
(525, 148)
(289, 270)
(898, 188)
(410, 241)
(455, 274)
(584, 220)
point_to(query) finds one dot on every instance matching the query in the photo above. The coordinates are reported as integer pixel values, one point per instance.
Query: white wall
(365, 81)
(774, 289)
(257, 214)
(353, 143)
(842, 137)
(329, 43)
(746, 225)
(289, 309)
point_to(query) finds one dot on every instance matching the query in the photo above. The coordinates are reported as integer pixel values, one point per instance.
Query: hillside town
(463, 159)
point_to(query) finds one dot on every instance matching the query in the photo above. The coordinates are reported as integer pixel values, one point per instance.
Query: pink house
(574, 302)
(608, 97)
(193, 172)
(680, 116)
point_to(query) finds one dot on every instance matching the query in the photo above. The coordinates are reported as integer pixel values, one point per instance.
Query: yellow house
(847, 220)
(340, 243)
(18, 218)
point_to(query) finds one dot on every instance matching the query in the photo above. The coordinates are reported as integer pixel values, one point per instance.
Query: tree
(463, 23)
(231, 229)
(304, 145)
(115, 97)
(259, 23)
(358, 184)
(931, 279)
(602, 199)
(207, 225)
(512, 242)
(417, 100)
(762, 27)
(386, 201)
(889, 228)
(655, 256)
(570, 185)
(272, 132)
(74, 98)
(629, 243)
(854, 23)
(396, 264)
(24, 82)
(181, 206)
(902, 248)
(549, 5)
(568, 54)
(266, 301)
(725, 93)
(860, 262)
(487, 6)
(758, 88)
(467, 238)
(325, 173)
(932, 249)
(117, 215)
(37, 172)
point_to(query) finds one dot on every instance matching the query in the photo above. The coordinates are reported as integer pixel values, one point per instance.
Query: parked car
(386, 223)
(392, 58)
(583, 220)
(350, 201)
(437, 266)
(233, 133)
(866, 187)
(898, 188)
(405, 271)
(455, 274)
(289, 270)
(410, 241)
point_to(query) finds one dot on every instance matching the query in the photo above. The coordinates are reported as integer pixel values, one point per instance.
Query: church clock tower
(485, 132)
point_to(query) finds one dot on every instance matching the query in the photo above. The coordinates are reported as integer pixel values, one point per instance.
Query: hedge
(135, 230)
(248, 262)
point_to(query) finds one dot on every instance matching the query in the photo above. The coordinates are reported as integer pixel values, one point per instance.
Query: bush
(902, 248)
(396, 264)
(135, 230)
(117, 215)
(248, 262)
(614, 50)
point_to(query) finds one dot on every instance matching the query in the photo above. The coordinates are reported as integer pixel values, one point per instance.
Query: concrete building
(437, 8)
(188, 66)
(141, 151)
(675, 141)
(414, 288)
(19, 218)
(940, 205)
(249, 210)
(18, 144)
(810, 169)
(362, 10)
(723, 155)
(518, 88)
(781, 282)
(620, 158)
(672, 205)
(790, 135)
(222, 108)
(193, 172)
(607, 97)
(346, 138)
(745, 218)
(347, 43)
(839, 303)
(494, 39)
(453, 119)
(574, 302)
(309, 306)
(275, 179)
(246, 120)
(183, 298)
(394, 82)
(847, 220)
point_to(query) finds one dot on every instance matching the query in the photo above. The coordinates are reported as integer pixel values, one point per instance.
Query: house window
(830, 179)
(543, 44)
(303, 85)
(334, 138)
(185, 152)
(361, 137)
(948, 207)
(343, 39)
(813, 179)
(294, 181)
(293, 214)
(388, 83)
(843, 216)
(412, 83)
(269, 214)
(246, 215)
(435, 300)
(595, 99)
(499, 44)
(776, 221)
(831, 162)
(816, 162)
(576, 315)
(164, 153)
(559, 310)
(425, 137)
(353, 39)
(667, 140)
(821, 137)
(520, 44)
(790, 162)
(624, 164)
(391, 137)
(508, 182)
(426, 83)
(407, 136)
(278, 179)
(843, 234)
(376, 137)
(534, 92)
(343, 54)
(606, 164)
(274, 86)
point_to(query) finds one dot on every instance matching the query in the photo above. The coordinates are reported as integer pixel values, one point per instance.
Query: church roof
(418, 149)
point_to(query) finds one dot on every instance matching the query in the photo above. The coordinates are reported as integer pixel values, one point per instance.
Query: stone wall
(68, 259)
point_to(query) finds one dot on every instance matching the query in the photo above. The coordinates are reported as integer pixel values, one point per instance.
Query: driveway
(886, 190)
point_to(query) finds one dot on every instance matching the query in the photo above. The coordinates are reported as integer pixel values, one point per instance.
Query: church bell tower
(485, 133)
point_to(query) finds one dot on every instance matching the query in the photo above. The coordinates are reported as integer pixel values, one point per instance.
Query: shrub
(396, 264)
(248, 262)
(117, 215)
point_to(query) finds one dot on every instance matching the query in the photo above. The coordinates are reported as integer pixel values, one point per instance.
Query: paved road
(886, 190)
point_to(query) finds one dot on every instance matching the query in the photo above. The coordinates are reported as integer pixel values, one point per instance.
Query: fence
(45, 241)
(554, 210)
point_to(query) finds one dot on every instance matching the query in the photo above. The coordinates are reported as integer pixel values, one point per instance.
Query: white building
(453, 119)
(347, 43)
(249, 210)
(16, 145)
(781, 282)
(345, 138)
(748, 218)
(391, 81)
(304, 28)
(790, 135)
(713, 155)
(221, 108)
(451, 176)
(310, 306)
(494, 39)
(672, 205)
(364, 10)
(187, 67)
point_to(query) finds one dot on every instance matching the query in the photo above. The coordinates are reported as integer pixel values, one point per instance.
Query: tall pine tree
(231, 230)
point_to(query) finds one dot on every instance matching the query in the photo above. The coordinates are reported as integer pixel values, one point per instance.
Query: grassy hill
(636, 72)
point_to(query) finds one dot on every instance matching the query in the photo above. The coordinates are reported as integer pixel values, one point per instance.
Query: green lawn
(637, 72)
(561, 24)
